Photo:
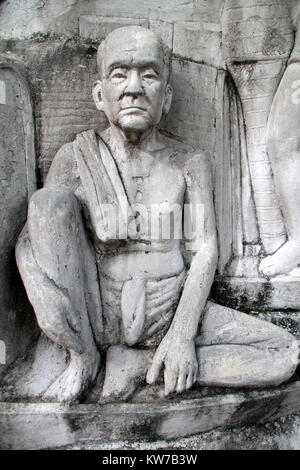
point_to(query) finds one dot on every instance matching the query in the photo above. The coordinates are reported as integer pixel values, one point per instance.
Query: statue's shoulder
(65, 157)
(63, 169)
(187, 157)
(174, 144)
(198, 164)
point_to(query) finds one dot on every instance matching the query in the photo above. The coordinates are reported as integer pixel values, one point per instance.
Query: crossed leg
(233, 350)
(238, 350)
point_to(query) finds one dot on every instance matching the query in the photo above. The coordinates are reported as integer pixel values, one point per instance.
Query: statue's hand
(178, 357)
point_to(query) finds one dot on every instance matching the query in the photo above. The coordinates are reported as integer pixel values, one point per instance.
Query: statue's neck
(131, 144)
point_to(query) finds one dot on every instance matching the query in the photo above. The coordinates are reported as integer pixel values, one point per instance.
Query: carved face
(133, 91)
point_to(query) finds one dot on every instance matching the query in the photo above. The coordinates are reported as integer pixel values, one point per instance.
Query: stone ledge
(45, 425)
(257, 293)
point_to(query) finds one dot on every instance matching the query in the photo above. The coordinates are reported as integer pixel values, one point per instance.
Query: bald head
(131, 38)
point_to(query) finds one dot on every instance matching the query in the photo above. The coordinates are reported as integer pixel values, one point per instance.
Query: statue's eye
(150, 75)
(118, 75)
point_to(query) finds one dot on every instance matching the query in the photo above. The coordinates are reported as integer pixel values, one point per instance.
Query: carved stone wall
(228, 59)
(17, 184)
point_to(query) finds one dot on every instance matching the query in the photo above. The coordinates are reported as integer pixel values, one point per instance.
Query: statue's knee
(291, 346)
(51, 203)
(284, 346)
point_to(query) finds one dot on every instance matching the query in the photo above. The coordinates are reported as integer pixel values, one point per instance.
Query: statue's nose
(134, 84)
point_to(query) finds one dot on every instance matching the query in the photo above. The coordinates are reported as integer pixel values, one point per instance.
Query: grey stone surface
(44, 426)
(233, 87)
(255, 292)
(281, 434)
(256, 63)
(164, 29)
(95, 290)
(256, 30)
(199, 42)
(98, 27)
(17, 183)
(30, 378)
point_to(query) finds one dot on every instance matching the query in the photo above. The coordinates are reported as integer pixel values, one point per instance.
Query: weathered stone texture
(198, 41)
(193, 112)
(44, 425)
(17, 181)
(256, 29)
(94, 19)
(253, 40)
(164, 29)
(64, 102)
(153, 9)
(98, 27)
(22, 18)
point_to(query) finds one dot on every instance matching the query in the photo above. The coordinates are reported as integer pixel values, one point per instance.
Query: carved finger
(181, 382)
(170, 377)
(190, 379)
(153, 372)
(196, 375)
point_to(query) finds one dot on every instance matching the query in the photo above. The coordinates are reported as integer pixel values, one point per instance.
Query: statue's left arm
(177, 350)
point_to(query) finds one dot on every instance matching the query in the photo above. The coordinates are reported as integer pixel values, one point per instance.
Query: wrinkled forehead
(132, 48)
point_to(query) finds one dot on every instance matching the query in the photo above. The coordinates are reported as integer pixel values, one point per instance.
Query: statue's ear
(97, 95)
(168, 99)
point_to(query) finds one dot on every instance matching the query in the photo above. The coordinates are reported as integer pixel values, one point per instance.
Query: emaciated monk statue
(104, 283)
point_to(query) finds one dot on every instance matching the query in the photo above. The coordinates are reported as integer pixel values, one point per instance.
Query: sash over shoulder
(106, 196)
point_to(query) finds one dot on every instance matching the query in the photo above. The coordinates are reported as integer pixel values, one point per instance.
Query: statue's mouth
(133, 108)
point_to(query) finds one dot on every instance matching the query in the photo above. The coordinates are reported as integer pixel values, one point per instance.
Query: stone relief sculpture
(17, 184)
(283, 150)
(258, 38)
(101, 255)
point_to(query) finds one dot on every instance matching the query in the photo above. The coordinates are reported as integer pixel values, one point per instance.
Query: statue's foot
(283, 261)
(125, 369)
(76, 379)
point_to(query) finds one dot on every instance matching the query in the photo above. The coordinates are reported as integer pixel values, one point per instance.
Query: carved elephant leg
(59, 272)
(256, 64)
(237, 350)
(284, 152)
